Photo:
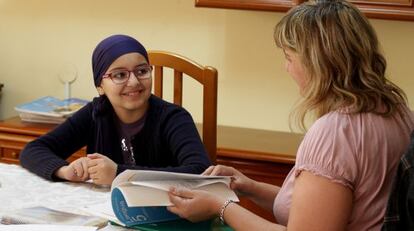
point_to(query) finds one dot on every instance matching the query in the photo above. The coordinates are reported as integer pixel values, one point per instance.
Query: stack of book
(49, 109)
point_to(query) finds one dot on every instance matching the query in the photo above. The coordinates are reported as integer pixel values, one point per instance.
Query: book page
(165, 185)
(144, 175)
(103, 210)
(44, 215)
(142, 195)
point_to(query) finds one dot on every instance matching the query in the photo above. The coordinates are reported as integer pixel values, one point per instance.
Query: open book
(141, 197)
(49, 109)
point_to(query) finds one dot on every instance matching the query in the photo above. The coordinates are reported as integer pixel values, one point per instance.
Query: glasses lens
(143, 72)
(120, 76)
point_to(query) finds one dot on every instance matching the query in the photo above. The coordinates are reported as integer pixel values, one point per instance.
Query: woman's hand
(194, 205)
(240, 183)
(101, 169)
(76, 171)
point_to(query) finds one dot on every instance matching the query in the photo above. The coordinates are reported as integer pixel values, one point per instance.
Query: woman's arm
(197, 205)
(241, 219)
(319, 204)
(263, 194)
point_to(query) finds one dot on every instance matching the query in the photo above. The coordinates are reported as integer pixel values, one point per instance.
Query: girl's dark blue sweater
(169, 141)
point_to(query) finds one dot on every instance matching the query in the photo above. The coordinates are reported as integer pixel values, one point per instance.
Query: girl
(126, 127)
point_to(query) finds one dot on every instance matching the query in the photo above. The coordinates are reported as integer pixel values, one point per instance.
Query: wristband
(223, 208)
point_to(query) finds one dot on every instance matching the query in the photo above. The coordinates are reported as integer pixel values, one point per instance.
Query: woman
(124, 128)
(347, 160)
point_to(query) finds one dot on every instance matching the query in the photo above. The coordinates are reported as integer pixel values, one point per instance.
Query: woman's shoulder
(343, 119)
(326, 128)
(332, 121)
(329, 147)
(334, 133)
(340, 130)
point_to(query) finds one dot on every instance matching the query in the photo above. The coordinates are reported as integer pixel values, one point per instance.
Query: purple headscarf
(111, 48)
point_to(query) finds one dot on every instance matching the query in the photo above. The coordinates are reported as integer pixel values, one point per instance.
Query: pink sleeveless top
(359, 151)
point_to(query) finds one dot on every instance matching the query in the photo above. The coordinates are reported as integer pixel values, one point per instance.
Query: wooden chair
(205, 75)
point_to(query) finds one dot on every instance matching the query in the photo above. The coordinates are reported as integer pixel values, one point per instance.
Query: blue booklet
(51, 106)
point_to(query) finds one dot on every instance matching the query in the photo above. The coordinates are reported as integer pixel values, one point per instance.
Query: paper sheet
(46, 228)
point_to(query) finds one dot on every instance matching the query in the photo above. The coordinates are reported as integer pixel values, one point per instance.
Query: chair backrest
(399, 214)
(205, 75)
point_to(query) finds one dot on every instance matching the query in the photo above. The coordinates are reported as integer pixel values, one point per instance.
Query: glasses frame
(109, 75)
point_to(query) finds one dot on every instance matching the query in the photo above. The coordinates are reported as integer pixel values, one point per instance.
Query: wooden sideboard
(263, 155)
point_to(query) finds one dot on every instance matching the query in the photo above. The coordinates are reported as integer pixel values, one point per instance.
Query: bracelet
(223, 208)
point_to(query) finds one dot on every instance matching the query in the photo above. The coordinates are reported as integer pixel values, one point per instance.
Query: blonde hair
(340, 53)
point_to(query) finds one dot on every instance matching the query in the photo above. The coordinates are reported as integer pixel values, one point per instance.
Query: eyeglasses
(122, 76)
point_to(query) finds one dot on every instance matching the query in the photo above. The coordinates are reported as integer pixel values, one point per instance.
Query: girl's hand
(101, 169)
(240, 183)
(76, 171)
(194, 205)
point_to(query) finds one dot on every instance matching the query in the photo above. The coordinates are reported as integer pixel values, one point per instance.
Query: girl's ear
(100, 90)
